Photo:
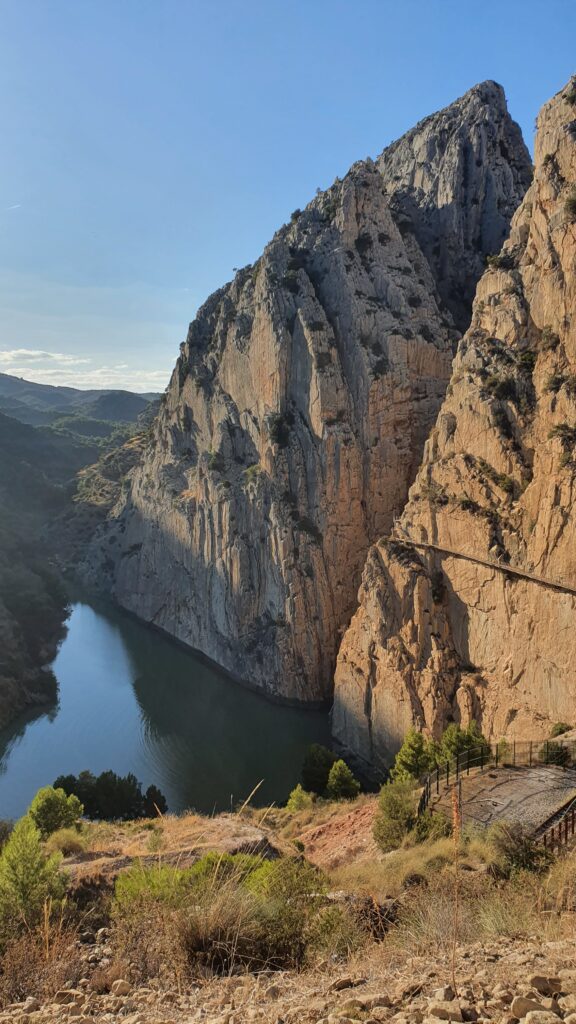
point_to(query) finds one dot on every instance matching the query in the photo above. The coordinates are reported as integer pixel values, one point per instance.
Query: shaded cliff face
(296, 415)
(439, 637)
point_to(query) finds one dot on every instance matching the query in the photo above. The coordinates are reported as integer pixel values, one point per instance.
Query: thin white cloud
(35, 355)
(104, 377)
(15, 206)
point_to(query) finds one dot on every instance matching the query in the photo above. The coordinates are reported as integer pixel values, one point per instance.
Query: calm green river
(132, 701)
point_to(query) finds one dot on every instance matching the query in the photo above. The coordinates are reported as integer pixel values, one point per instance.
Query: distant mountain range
(42, 404)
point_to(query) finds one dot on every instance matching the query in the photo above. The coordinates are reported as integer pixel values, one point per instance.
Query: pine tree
(341, 782)
(414, 758)
(28, 878)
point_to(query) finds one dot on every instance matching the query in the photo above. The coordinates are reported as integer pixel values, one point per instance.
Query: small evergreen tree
(299, 800)
(455, 740)
(154, 802)
(28, 878)
(414, 758)
(52, 809)
(316, 768)
(342, 785)
(396, 814)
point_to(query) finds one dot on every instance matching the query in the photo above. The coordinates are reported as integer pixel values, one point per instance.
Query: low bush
(53, 809)
(223, 913)
(40, 962)
(516, 850)
(299, 800)
(570, 205)
(559, 728)
(555, 753)
(66, 841)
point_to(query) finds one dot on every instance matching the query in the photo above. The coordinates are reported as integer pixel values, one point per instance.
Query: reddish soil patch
(342, 839)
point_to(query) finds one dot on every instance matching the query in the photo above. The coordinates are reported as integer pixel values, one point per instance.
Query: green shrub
(216, 463)
(28, 878)
(549, 340)
(396, 814)
(217, 867)
(280, 425)
(299, 800)
(158, 883)
(67, 841)
(559, 728)
(430, 827)
(318, 761)
(570, 96)
(516, 850)
(52, 809)
(502, 388)
(570, 205)
(342, 785)
(555, 753)
(224, 913)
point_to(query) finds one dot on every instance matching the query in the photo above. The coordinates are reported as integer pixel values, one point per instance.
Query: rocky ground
(503, 982)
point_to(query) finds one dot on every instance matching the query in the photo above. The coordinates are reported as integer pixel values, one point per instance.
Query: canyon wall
(296, 415)
(455, 634)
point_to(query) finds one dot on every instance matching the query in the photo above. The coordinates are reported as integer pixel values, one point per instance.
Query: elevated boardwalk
(565, 586)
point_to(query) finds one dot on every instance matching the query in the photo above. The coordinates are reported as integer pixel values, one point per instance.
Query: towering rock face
(296, 416)
(452, 634)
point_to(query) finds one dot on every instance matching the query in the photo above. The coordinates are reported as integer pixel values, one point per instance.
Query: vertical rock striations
(295, 419)
(439, 637)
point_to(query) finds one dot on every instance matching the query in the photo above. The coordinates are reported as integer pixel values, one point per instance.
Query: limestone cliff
(296, 416)
(438, 635)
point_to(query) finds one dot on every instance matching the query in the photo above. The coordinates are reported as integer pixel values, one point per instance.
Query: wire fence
(560, 828)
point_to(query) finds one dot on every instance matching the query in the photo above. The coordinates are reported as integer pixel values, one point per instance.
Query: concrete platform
(525, 795)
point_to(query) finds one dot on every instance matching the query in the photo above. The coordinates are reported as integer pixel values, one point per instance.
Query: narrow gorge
(296, 415)
(451, 634)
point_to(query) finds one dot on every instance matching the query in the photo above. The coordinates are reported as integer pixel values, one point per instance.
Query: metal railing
(512, 754)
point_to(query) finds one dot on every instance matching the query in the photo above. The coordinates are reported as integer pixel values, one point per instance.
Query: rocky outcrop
(477, 629)
(296, 415)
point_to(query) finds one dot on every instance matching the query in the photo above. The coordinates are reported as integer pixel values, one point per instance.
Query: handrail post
(482, 756)
(546, 752)
(457, 763)
(437, 780)
(514, 753)
(447, 773)
(566, 830)
(530, 761)
(496, 755)
(468, 763)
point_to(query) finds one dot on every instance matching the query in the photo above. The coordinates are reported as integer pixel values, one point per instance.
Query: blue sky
(150, 146)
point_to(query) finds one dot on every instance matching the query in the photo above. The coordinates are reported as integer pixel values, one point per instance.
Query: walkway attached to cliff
(509, 570)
